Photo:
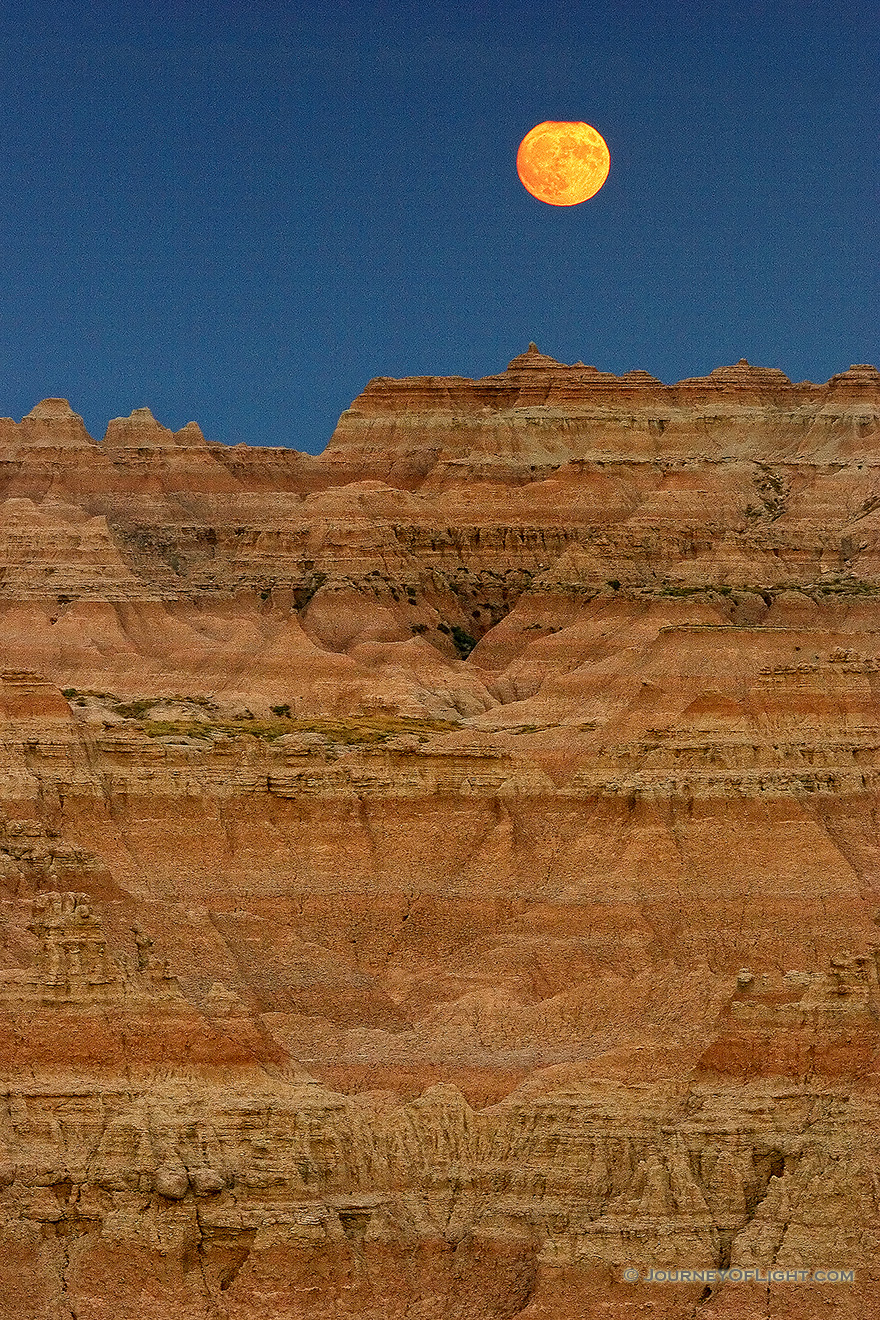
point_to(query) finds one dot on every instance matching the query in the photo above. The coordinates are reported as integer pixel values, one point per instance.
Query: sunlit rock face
(438, 875)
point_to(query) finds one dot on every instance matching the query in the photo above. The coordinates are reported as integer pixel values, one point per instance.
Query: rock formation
(440, 874)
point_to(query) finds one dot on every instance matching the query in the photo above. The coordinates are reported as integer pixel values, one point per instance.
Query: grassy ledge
(352, 731)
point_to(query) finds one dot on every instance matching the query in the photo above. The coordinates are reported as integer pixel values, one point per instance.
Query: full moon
(563, 164)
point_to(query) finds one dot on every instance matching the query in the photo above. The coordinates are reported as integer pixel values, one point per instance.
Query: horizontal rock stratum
(441, 874)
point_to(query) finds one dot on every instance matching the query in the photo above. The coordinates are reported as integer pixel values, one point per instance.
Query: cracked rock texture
(438, 874)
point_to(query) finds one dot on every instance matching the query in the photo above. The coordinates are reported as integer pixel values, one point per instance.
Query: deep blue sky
(239, 212)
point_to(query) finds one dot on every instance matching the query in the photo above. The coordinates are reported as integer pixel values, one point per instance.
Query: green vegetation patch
(848, 586)
(135, 710)
(205, 728)
(355, 730)
(463, 642)
(845, 587)
(70, 693)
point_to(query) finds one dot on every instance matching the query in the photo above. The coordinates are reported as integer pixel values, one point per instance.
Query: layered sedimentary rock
(442, 873)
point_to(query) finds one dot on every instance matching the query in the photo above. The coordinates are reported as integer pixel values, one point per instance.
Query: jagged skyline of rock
(141, 427)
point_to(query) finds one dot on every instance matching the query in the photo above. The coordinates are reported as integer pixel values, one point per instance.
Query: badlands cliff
(441, 873)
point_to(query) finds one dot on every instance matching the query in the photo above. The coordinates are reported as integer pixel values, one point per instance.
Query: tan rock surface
(438, 874)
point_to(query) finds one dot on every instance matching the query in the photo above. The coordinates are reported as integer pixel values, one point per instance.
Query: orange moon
(563, 164)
